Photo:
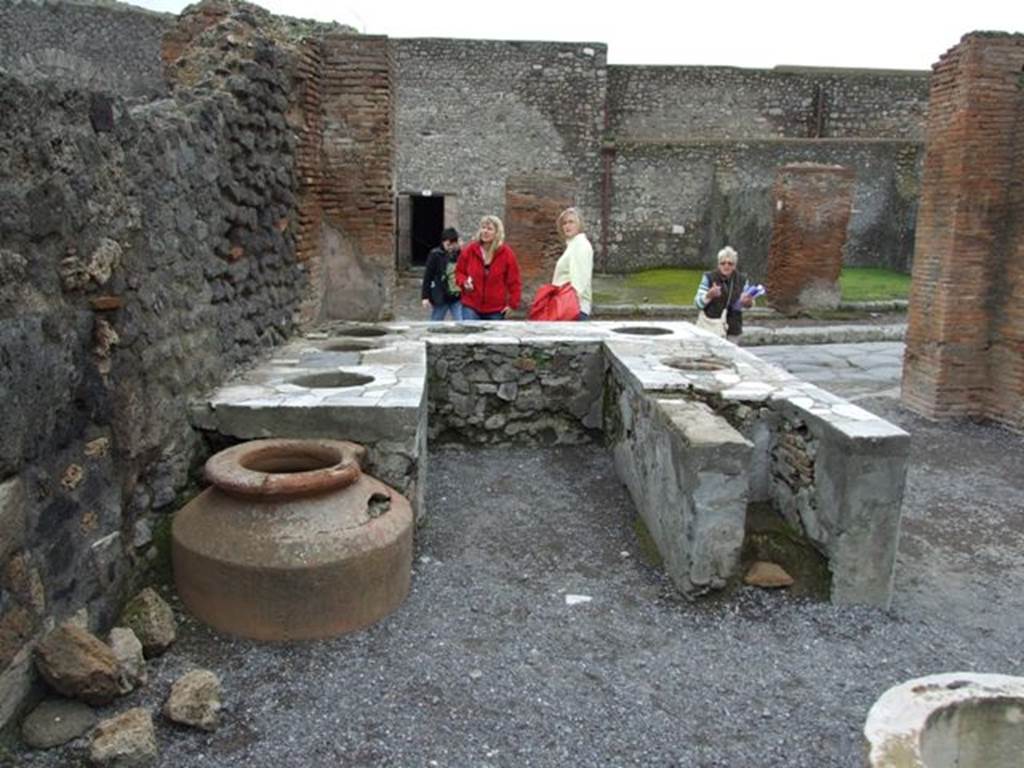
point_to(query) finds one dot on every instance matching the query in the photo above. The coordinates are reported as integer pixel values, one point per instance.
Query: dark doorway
(427, 224)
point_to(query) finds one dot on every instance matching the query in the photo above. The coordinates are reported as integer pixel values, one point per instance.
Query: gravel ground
(487, 665)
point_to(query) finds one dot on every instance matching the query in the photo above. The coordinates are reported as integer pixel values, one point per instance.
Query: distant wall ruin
(669, 162)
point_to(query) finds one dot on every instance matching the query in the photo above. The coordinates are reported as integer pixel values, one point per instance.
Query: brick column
(965, 335)
(812, 210)
(357, 187)
(306, 120)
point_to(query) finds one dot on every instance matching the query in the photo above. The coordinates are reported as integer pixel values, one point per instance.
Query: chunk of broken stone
(56, 721)
(152, 621)
(128, 650)
(125, 741)
(195, 700)
(767, 576)
(79, 665)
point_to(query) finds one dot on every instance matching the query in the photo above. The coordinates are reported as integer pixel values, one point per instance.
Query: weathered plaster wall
(100, 47)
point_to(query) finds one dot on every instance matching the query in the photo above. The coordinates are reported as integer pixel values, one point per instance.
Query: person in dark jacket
(725, 290)
(488, 274)
(440, 293)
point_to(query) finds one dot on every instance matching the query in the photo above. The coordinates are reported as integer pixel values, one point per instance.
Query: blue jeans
(582, 316)
(471, 314)
(438, 311)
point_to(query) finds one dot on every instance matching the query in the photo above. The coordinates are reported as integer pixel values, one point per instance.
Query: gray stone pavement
(852, 371)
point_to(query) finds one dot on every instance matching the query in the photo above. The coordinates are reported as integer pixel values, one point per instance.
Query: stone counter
(699, 427)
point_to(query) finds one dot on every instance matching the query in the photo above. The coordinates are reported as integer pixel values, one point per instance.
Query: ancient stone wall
(660, 103)
(677, 203)
(965, 336)
(543, 393)
(110, 48)
(144, 252)
(472, 113)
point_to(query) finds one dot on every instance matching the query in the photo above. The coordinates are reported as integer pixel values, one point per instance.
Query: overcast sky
(870, 33)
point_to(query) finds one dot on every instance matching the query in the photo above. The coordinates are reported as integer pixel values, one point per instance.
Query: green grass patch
(873, 284)
(652, 286)
(678, 287)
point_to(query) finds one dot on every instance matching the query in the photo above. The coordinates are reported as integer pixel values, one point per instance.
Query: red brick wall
(358, 157)
(965, 336)
(532, 204)
(811, 212)
(307, 122)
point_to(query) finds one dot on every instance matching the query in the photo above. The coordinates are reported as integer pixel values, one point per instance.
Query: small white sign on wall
(678, 229)
(427, 192)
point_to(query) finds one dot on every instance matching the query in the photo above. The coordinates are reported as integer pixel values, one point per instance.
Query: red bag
(555, 302)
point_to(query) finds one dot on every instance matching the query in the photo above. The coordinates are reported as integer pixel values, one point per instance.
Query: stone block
(128, 650)
(78, 665)
(15, 685)
(56, 721)
(125, 741)
(12, 517)
(152, 620)
(195, 700)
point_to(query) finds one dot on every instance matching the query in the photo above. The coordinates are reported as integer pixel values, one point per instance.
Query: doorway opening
(427, 225)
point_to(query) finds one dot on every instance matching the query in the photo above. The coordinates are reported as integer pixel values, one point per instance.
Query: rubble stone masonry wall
(663, 103)
(144, 253)
(111, 48)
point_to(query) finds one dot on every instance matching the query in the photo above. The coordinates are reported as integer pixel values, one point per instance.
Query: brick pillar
(532, 203)
(357, 159)
(306, 120)
(965, 335)
(812, 210)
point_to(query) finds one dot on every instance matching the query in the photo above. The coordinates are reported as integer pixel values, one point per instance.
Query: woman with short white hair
(722, 297)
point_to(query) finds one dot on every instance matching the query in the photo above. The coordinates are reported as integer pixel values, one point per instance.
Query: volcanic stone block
(79, 665)
(812, 210)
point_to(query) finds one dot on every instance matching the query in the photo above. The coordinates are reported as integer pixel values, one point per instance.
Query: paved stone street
(853, 371)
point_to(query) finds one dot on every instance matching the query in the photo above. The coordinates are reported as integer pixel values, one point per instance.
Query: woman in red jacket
(488, 273)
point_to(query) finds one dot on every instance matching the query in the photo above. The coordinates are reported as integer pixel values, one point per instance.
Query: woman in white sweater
(576, 264)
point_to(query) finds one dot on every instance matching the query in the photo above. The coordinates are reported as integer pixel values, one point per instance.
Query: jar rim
(285, 467)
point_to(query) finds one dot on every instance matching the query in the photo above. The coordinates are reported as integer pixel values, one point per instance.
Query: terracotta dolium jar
(292, 542)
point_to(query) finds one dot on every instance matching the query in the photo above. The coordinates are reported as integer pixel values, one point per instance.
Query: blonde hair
(565, 214)
(499, 234)
(728, 254)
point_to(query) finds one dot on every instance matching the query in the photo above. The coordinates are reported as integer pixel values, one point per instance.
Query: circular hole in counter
(456, 329)
(362, 331)
(331, 380)
(643, 330)
(350, 345)
(698, 363)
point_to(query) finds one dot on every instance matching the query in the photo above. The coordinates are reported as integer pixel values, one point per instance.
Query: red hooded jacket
(494, 287)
